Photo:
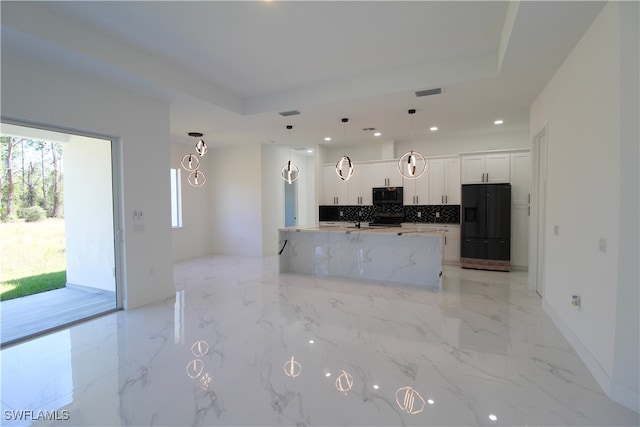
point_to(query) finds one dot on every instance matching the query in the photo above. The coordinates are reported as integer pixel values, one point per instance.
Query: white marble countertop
(350, 229)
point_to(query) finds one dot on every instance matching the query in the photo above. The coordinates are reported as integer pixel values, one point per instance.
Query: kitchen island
(390, 254)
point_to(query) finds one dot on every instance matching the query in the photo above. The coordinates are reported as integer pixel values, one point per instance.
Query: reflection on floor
(22, 317)
(242, 345)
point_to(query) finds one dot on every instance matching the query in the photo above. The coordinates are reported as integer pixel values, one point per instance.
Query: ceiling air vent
(289, 113)
(428, 92)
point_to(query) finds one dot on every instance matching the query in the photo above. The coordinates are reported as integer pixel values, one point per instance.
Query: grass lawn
(32, 257)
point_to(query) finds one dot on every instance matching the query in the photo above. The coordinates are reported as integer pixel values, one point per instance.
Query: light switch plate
(602, 245)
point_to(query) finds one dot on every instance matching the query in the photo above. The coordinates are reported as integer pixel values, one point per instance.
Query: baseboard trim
(485, 264)
(614, 391)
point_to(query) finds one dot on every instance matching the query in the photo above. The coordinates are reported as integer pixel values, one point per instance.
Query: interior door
(290, 204)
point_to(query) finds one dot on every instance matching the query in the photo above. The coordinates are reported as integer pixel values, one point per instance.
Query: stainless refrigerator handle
(442, 199)
(417, 200)
(446, 199)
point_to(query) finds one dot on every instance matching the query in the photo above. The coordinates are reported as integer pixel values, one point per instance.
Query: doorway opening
(58, 256)
(290, 204)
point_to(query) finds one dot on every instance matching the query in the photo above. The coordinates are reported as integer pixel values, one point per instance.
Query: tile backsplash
(444, 214)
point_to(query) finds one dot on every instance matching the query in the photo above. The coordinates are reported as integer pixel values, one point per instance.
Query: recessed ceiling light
(377, 134)
(311, 341)
(327, 138)
(376, 386)
(310, 151)
(430, 402)
(492, 417)
(433, 128)
(498, 122)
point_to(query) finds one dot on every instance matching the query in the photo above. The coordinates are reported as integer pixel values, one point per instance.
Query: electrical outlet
(341, 213)
(437, 214)
(575, 300)
(419, 214)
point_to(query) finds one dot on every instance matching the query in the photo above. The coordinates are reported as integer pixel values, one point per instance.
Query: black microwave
(388, 196)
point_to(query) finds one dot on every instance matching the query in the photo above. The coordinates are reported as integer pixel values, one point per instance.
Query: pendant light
(197, 178)
(412, 164)
(290, 171)
(191, 162)
(201, 146)
(344, 167)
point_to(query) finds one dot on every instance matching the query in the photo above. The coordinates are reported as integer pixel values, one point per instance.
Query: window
(176, 198)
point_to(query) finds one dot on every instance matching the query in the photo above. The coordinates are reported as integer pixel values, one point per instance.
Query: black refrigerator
(485, 235)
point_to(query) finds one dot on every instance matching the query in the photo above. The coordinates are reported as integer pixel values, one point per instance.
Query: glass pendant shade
(412, 165)
(197, 178)
(290, 172)
(190, 162)
(344, 168)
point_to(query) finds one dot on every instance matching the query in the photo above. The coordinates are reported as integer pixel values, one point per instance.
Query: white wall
(193, 240)
(46, 94)
(88, 218)
(583, 106)
(236, 200)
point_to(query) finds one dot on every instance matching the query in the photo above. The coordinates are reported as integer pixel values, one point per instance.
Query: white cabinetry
(485, 168)
(452, 244)
(444, 181)
(335, 189)
(386, 174)
(359, 186)
(416, 191)
(520, 178)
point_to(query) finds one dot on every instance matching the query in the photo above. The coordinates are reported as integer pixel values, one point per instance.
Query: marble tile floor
(241, 345)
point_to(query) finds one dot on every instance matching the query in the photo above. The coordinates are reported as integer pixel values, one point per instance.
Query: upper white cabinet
(359, 185)
(335, 189)
(386, 174)
(444, 181)
(416, 191)
(485, 168)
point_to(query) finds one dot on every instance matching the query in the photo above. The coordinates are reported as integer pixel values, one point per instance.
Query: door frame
(117, 192)
(291, 191)
(537, 221)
